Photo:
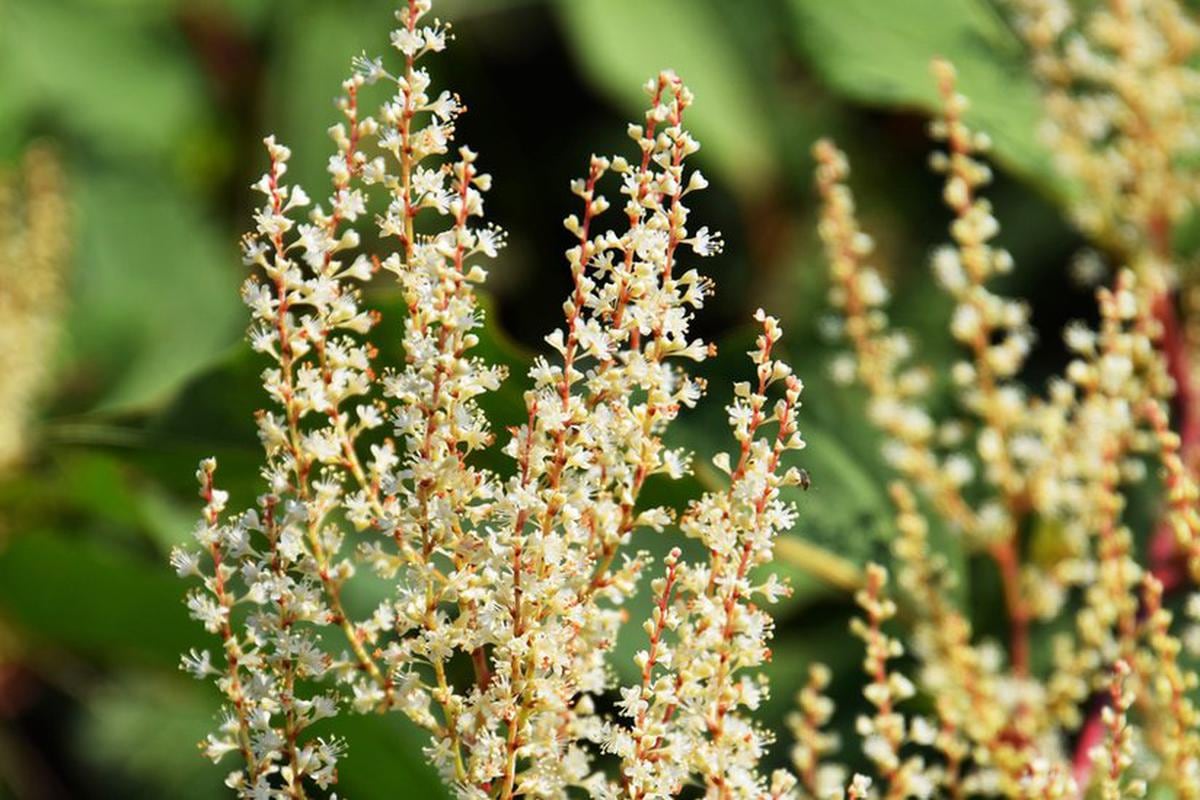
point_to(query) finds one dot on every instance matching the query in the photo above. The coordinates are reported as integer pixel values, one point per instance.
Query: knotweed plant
(1010, 461)
(506, 588)
(521, 575)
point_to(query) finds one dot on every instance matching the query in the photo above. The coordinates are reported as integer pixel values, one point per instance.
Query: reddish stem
(1089, 736)
(1006, 558)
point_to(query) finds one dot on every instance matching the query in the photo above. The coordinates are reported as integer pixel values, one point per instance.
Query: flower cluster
(1122, 93)
(593, 436)
(521, 573)
(886, 730)
(498, 594)
(1117, 754)
(818, 778)
(1010, 462)
(275, 575)
(687, 714)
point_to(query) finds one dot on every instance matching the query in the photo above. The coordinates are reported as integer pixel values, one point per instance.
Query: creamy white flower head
(522, 577)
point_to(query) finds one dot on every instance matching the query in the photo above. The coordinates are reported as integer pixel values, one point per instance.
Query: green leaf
(98, 486)
(125, 735)
(383, 759)
(105, 76)
(880, 53)
(86, 596)
(624, 43)
(155, 294)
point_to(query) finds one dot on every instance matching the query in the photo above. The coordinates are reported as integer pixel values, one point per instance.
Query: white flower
(371, 69)
(198, 664)
(706, 244)
(185, 562)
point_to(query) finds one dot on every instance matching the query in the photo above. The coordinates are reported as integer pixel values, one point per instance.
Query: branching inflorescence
(520, 575)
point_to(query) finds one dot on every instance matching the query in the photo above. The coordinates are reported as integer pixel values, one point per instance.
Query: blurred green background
(157, 109)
